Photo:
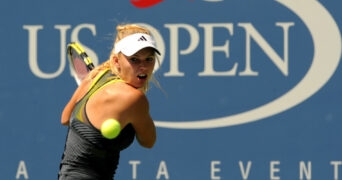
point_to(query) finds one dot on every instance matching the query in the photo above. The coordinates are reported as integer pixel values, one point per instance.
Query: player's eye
(150, 59)
(134, 60)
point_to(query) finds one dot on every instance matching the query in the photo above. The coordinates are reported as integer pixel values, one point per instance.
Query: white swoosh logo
(327, 53)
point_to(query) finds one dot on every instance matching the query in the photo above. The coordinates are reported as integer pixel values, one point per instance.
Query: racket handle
(90, 66)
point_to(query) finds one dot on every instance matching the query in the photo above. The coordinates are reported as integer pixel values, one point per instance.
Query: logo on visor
(142, 38)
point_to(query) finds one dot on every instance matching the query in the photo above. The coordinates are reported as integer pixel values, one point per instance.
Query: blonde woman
(113, 90)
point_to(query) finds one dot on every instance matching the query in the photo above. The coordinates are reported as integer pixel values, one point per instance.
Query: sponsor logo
(326, 54)
(142, 38)
(150, 3)
(324, 34)
(145, 3)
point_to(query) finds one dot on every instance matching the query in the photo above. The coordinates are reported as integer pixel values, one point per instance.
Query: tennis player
(115, 89)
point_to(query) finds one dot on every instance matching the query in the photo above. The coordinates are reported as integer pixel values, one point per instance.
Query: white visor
(133, 43)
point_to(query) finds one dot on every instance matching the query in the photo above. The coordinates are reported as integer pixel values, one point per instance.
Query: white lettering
(336, 164)
(134, 168)
(274, 170)
(174, 42)
(22, 171)
(162, 171)
(209, 48)
(245, 172)
(62, 29)
(244, 168)
(33, 60)
(251, 32)
(305, 170)
(215, 169)
(32, 45)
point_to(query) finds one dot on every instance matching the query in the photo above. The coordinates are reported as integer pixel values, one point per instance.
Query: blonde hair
(122, 32)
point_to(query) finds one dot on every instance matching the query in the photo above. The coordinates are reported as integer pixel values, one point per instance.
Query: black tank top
(87, 153)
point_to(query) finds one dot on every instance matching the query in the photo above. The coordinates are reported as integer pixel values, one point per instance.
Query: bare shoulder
(127, 93)
(118, 100)
(128, 105)
(124, 99)
(119, 94)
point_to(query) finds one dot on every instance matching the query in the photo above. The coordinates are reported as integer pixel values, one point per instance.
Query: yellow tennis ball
(110, 128)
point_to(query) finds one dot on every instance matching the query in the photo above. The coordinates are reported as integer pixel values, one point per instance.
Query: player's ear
(115, 60)
(115, 63)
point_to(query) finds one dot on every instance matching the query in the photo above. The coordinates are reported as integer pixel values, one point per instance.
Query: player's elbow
(65, 123)
(147, 143)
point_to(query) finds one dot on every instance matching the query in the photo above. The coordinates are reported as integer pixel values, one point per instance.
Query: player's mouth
(142, 76)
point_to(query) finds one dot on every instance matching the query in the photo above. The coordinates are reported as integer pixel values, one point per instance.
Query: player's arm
(142, 122)
(69, 107)
(67, 112)
(126, 104)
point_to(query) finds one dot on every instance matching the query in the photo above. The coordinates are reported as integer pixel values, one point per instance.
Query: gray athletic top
(87, 154)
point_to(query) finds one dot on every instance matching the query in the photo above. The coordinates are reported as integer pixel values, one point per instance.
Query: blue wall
(252, 88)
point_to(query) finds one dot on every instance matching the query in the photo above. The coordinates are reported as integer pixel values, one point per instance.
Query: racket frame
(84, 57)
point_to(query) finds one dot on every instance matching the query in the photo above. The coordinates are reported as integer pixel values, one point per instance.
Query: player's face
(137, 69)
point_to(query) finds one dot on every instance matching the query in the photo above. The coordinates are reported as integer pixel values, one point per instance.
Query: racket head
(79, 61)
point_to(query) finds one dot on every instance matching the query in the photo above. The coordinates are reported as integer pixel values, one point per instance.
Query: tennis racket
(80, 63)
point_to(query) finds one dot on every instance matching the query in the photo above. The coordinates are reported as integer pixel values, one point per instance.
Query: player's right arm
(126, 104)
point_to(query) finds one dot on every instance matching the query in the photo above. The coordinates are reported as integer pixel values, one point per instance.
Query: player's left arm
(67, 111)
(69, 107)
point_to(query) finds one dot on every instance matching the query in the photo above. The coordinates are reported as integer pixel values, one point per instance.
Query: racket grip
(91, 66)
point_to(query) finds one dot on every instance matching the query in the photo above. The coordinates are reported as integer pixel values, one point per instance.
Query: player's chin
(140, 82)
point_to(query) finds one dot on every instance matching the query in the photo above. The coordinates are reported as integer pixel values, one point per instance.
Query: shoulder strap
(102, 80)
